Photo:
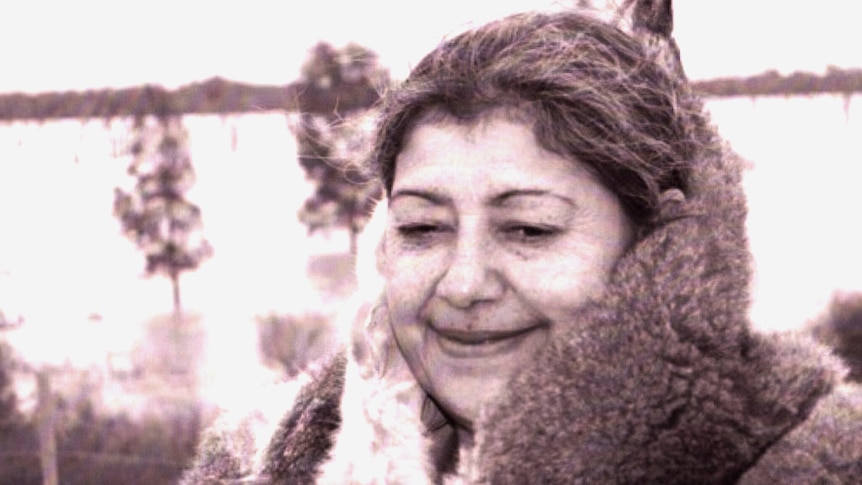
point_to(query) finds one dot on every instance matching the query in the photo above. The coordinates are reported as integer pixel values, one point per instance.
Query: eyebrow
(501, 199)
(431, 196)
(496, 201)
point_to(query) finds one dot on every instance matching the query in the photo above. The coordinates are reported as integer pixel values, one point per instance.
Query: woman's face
(492, 243)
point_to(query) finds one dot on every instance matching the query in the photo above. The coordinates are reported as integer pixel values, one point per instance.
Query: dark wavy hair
(589, 90)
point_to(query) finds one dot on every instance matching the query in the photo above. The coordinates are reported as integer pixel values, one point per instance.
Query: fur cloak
(661, 380)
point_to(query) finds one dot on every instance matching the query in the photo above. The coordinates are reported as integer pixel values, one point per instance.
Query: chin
(466, 379)
(464, 398)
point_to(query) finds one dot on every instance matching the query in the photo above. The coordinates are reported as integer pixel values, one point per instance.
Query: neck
(465, 439)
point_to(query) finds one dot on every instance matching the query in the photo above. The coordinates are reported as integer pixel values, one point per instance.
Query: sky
(48, 45)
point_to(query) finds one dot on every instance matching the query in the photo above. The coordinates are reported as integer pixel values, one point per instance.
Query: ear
(655, 16)
(671, 196)
(651, 22)
(649, 16)
(671, 204)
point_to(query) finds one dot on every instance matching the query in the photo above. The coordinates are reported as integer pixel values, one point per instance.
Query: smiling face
(492, 243)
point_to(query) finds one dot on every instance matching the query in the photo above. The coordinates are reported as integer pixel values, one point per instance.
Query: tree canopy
(156, 215)
(333, 129)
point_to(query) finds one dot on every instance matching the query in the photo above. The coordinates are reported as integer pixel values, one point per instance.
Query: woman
(565, 289)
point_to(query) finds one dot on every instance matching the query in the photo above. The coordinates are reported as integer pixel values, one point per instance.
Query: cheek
(557, 288)
(405, 302)
(409, 282)
(409, 274)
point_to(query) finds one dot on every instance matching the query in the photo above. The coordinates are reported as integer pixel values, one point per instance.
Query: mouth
(471, 344)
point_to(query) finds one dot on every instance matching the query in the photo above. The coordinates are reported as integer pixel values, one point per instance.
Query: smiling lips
(468, 337)
(467, 343)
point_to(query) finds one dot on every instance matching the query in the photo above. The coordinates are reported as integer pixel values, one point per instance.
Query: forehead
(493, 152)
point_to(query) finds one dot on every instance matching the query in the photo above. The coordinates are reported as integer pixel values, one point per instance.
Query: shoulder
(825, 448)
(249, 442)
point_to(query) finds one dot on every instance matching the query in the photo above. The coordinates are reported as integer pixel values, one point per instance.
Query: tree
(339, 88)
(156, 215)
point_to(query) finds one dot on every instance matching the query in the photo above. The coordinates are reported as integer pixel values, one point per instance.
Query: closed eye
(421, 234)
(529, 232)
(419, 229)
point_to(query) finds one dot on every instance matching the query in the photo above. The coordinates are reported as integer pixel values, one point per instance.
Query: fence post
(45, 414)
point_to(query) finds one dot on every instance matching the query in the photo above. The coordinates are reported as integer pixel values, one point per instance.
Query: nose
(473, 274)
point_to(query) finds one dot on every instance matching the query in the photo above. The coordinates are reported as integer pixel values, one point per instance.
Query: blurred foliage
(333, 134)
(97, 449)
(221, 96)
(152, 442)
(841, 328)
(344, 196)
(771, 83)
(155, 215)
(118, 449)
(152, 445)
(333, 275)
(8, 398)
(291, 342)
(340, 81)
(169, 352)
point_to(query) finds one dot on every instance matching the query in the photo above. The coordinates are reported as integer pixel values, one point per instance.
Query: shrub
(292, 342)
(94, 448)
(118, 449)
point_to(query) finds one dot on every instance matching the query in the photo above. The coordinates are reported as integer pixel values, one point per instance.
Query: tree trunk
(354, 240)
(175, 282)
(45, 413)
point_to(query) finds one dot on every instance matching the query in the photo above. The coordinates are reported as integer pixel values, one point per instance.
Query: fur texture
(295, 449)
